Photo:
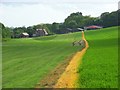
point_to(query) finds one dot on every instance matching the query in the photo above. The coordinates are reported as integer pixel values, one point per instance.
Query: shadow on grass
(103, 42)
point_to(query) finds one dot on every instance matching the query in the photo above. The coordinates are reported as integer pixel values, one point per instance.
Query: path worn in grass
(70, 75)
(51, 79)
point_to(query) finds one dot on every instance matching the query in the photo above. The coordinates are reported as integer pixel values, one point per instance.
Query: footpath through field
(69, 77)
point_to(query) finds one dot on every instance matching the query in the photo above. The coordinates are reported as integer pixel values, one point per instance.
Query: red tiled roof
(93, 26)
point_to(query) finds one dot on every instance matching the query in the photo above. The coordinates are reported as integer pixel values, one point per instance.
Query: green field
(27, 61)
(99, 68)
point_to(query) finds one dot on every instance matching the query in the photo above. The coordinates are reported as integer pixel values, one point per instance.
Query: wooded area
(75, 20)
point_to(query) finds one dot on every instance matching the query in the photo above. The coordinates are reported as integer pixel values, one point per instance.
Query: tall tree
(31, 30)
(5, 31)
(55, 27)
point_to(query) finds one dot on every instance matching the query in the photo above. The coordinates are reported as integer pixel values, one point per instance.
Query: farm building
(24, 35)
(80, 29)
(92, 27)
(74, 30)
(40, 32)
(77, 29)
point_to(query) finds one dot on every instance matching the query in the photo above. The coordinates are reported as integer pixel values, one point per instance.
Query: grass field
(99, 68)
(27, 61)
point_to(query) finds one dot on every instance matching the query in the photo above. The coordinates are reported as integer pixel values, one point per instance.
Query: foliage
(73, 21)
(30, 30)
(106, 19)
(6, 32)
(109, 19)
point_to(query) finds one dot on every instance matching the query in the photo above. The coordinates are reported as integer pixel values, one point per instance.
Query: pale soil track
(69, 77)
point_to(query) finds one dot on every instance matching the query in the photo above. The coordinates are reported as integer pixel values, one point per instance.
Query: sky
(16, 13)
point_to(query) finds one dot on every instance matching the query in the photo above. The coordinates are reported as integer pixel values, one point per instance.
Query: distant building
(40, 32)
(34, 35)
(92, 27)
(80, 29)
(24, 35)
(69, 30)
(76, 30)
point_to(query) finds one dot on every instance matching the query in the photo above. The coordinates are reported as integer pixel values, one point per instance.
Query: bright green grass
(27, 61)
(99, 68)
(61, 37)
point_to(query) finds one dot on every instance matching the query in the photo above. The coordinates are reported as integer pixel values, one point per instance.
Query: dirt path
(70, 75)
(51, 79)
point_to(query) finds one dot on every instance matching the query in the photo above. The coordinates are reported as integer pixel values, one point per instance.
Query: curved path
(70, 75)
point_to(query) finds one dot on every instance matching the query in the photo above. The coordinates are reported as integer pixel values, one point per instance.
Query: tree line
(74, 20)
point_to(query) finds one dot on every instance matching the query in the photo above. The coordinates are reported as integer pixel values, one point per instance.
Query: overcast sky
(31, 12)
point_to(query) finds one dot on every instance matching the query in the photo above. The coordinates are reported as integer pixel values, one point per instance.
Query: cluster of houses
(92, 27)
(43, 32)
(38, 32)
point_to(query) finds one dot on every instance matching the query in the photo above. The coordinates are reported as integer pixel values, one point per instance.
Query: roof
(93, 26)
(42, 30)
(80, 29)
(45, 31)
(25, 34)
(38, 29)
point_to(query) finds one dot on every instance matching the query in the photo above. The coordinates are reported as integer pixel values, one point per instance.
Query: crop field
(99, 68)
(27, 61)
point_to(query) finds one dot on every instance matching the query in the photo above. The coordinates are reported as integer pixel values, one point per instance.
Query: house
(40, 32)
(76, 30)
(24, 35)
(92, 27)
(80, 29)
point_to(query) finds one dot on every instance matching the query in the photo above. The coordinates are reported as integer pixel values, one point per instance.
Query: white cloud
(27, 12)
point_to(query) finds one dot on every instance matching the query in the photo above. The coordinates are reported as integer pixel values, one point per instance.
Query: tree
(5, 31)
(38, 26)
(31, 30)
(109, 19)
(55, 27)
(72, 24)
(87, 20)
(118, 16)
(17, 31)
(49, 27)
(98, 21)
